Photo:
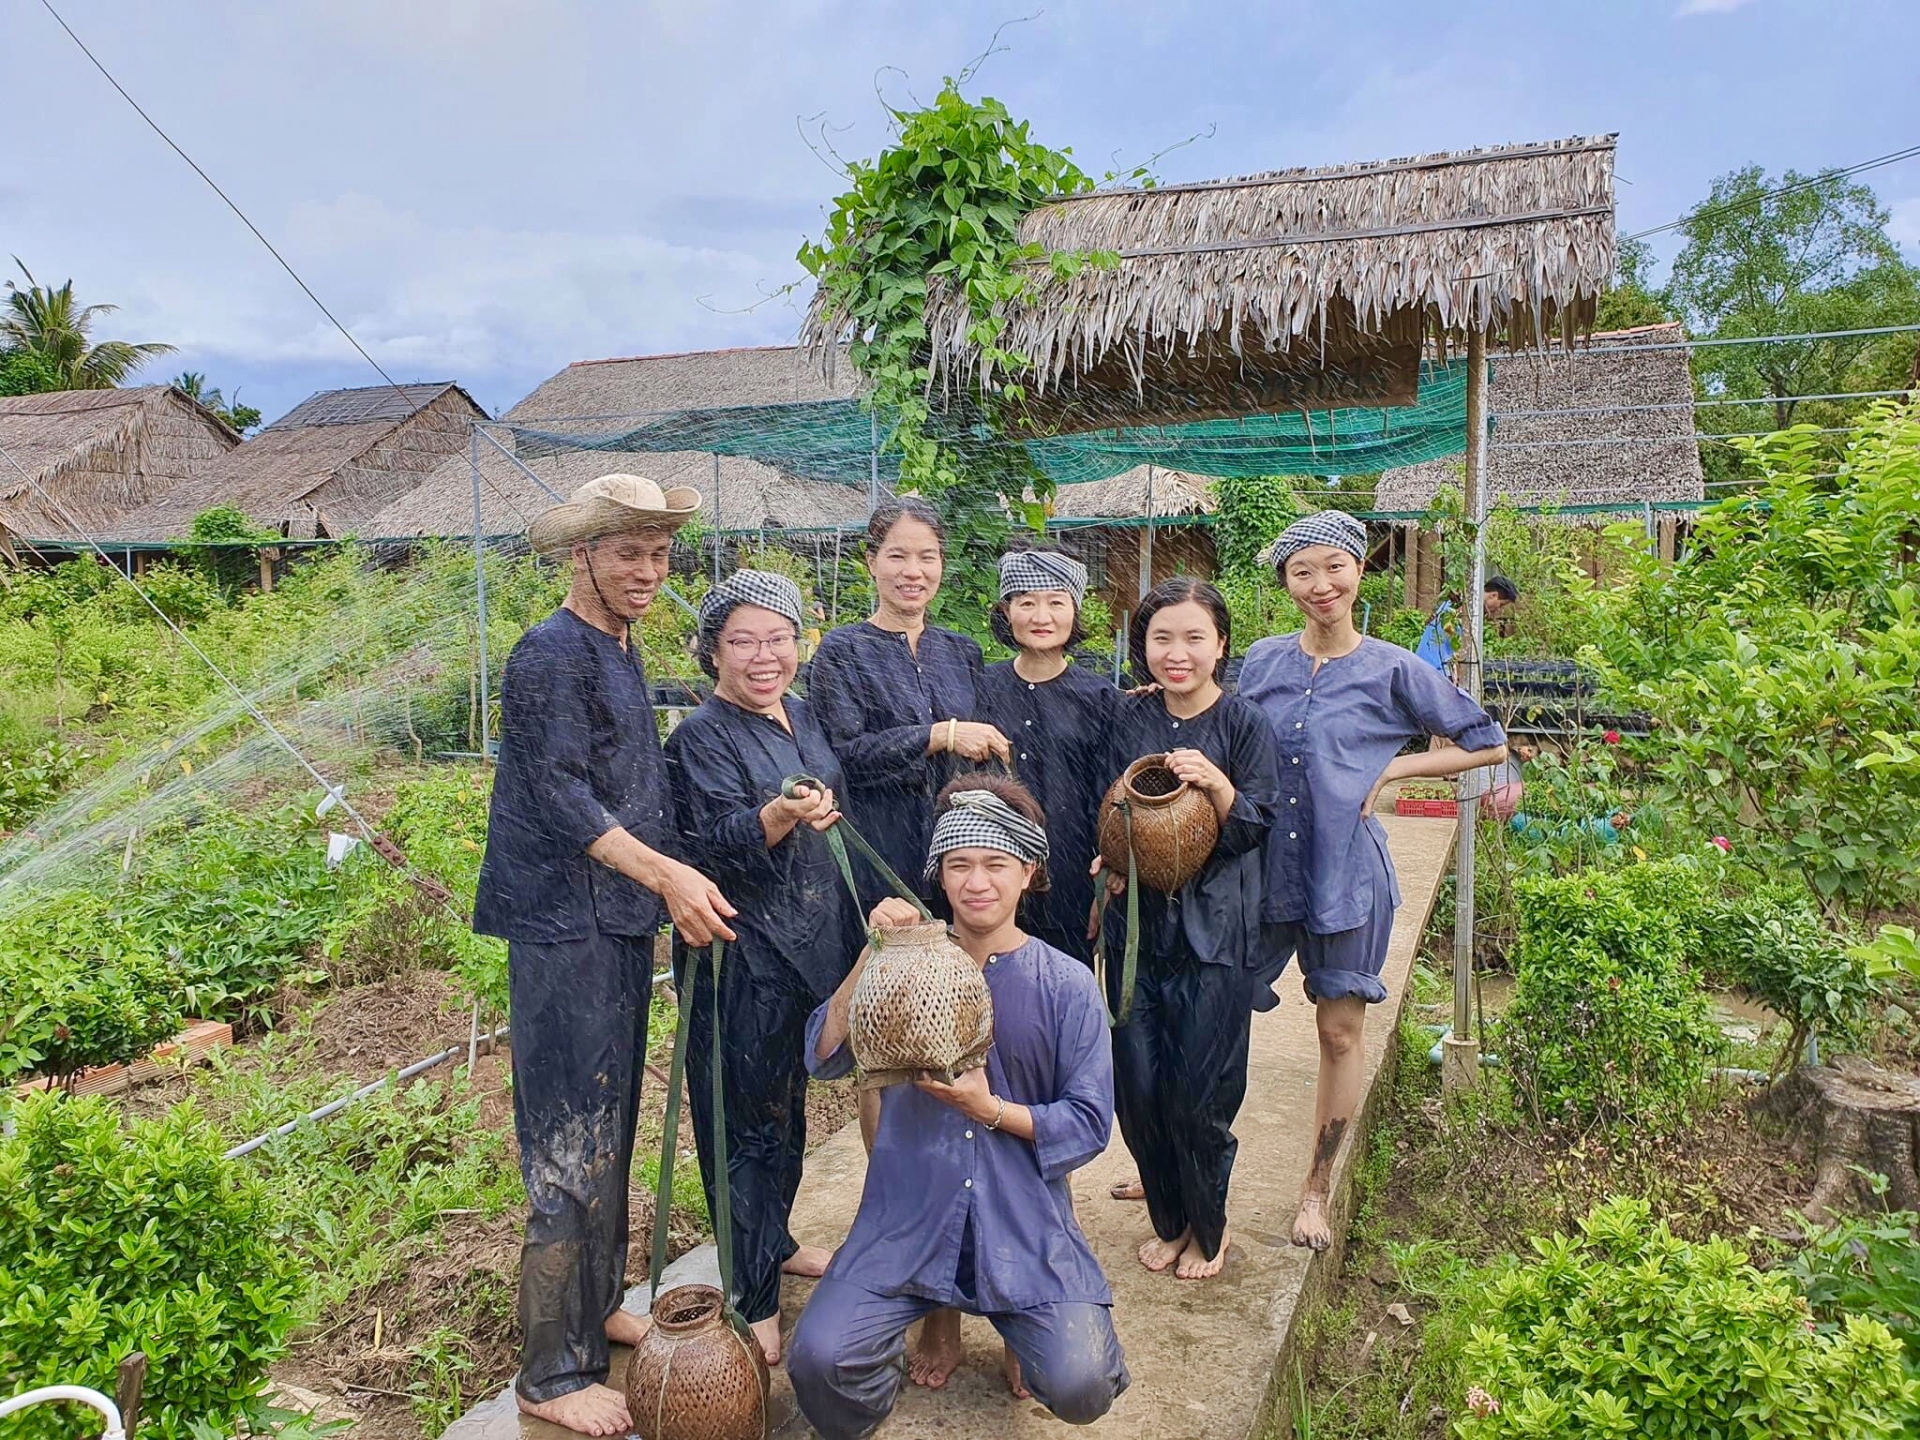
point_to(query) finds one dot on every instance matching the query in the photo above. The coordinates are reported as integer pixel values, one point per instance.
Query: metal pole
(1146, 548)
(873, 464)
(1461, 1052)
(718, 520)
(480, 584)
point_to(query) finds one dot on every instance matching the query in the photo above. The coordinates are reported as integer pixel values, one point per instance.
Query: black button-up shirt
(579, 756)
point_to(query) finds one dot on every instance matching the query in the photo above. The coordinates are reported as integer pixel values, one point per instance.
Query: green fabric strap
(1130, 961)
(837, 839)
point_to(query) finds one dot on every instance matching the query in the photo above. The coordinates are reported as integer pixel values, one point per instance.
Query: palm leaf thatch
(78, 460)
(1294, 288)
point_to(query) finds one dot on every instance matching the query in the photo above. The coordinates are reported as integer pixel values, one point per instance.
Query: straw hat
(611, 505)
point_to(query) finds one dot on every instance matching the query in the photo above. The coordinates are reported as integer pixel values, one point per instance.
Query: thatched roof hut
(1162, 495)
(1610, 420)
(609, 397)
(99, 454)
(1293, 288)
(326, 467)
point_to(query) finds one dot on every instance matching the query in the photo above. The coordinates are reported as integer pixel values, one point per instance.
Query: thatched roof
(1307, 287)
(328, 466)
(609, 397)
(1590, 449)
(1125, 496)
(100, 454)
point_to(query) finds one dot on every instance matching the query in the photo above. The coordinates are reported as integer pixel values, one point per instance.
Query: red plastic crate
(1432, 809)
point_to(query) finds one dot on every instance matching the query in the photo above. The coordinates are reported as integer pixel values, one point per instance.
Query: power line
(1662, 439)
(1698, 404)
(1824, 178)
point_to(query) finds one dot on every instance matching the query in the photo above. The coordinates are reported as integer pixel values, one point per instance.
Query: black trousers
(579, 1021)
(1179, 1075)
(763, 1022)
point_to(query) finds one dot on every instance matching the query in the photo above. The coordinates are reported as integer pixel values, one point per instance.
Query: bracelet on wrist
(998, 1115)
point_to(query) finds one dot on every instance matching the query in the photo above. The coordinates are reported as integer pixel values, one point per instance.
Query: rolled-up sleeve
(543, 705)
(832, 1067)
(1073, 1129)
(1433, 705)
(718, 807)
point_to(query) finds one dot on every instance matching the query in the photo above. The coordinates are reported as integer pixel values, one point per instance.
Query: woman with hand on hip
(1058, 717)
(1340, 708)
(796, 931)
(897, 697)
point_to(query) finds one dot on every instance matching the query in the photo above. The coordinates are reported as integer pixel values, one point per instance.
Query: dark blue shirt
(934, 1172)
(1061, 730)
(578, 757)
(725, 763)
(1215, 916)
(878, 698)
(1333, 733)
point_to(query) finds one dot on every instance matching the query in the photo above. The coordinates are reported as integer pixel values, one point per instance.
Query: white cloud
(1710, 7)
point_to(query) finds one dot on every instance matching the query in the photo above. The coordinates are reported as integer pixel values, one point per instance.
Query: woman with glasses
(796, 930)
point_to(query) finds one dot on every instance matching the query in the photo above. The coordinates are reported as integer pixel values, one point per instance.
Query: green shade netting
(835, 440)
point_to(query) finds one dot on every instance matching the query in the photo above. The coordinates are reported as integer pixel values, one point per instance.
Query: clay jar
(693, 1376)
(1175, 826)
(920, 1007)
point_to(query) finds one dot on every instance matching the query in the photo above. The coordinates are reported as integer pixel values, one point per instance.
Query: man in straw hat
(575, 878)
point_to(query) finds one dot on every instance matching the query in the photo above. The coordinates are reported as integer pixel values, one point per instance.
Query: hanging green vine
(942, 205)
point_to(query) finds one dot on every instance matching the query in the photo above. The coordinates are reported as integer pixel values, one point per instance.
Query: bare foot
(596, 1410)
(767, 1332)
(936, 1355)
(1157, 1254)
(1128, 1190)
(1310, 1227)
(626, 1328)
(809, 1260)
(1194, 1265)
(1010, 1367)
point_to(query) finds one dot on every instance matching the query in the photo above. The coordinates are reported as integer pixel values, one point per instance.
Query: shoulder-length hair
(1178, 591)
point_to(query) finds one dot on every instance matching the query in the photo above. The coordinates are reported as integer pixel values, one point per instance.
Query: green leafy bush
(81, 987)
(1626, 1331)
(33, 779)
(1865, 1266)
(1608, 1023)
(1773, 944)
(117, 1240)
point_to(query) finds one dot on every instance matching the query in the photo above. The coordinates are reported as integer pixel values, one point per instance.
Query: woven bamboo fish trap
(1174, 826)
(921, 1008)
(693, 1376)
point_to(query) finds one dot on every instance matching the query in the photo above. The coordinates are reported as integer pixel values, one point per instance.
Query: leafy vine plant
(942, 206)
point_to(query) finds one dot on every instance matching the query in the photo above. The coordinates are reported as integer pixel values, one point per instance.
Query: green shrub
(1865, 1266)
(117, 1240)
(81, 987)
(1773, 945)
(33, 778)
(1625, 1331)
(1608, 1023)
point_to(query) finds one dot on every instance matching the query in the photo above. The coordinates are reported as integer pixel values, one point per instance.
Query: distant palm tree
(42, 321)
(193, 383)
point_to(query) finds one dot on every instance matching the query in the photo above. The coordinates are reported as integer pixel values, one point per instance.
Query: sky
(487, 190)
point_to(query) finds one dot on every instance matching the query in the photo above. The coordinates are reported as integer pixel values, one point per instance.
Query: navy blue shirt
(724, 764)
(578, 757)
(1333, 732)
(934, 1172)
(1215, 916)
(1061, 730)
(878, 698)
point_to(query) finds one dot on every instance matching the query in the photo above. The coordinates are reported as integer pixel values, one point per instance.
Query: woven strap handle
(1130, 960)
(839, 836)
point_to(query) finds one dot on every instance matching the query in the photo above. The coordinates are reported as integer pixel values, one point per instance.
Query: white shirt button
(969, 1134)
(1176, 724)
(1023, 754)
(1296, 759)
(1309, 690)
(1292, 801)
(1029, 722)
(969, 1183)
(1292, 835)
(1298, 725)
(995, 959)
(1029, 685)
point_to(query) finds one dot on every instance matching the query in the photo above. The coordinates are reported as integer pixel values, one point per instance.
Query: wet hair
(1503, 587)
(1001, 626)
(1178, 591)
(903, 507)
(1015, 796)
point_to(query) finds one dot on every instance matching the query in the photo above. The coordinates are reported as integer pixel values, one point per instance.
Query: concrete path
(1210, 1360)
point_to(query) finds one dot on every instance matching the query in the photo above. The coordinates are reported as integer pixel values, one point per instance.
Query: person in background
(1340, 708)
(1180, 1058)
(1058, 718)
(898, 696)
(1439, 641)
(575, 876)
(966, 1202)
(796, 927)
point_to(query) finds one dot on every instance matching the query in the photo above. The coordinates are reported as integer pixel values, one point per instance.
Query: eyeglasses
(746, 647)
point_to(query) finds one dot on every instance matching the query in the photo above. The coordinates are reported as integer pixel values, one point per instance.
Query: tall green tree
(1816, 259)
(194, 384)
(51, 325)
(1633, 299)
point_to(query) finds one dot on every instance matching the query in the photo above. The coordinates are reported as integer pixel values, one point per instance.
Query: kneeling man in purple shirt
(966, 1205)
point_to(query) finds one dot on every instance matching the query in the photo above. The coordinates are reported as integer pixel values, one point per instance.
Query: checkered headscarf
(1022, 571)
(1323, 527)
(981, 819)
(744, 587)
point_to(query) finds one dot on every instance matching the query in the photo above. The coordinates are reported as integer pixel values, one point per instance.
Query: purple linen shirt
(933, 1170)
(1335, 732)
